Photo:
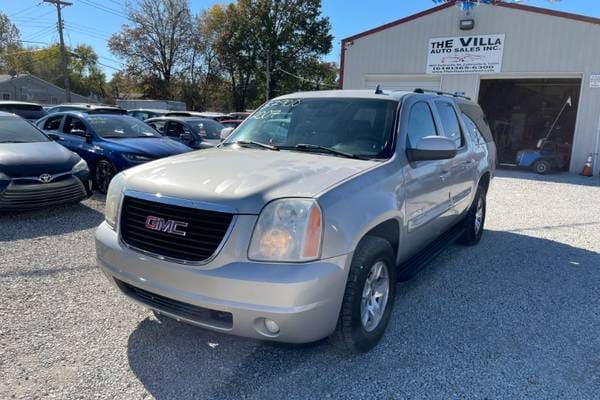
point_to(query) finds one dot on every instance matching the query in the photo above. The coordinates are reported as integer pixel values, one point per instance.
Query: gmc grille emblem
(168, 226)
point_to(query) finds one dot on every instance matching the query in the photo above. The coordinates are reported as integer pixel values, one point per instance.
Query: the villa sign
(465, 55)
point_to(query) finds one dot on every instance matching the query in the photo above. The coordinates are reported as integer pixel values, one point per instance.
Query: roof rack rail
(440, 93)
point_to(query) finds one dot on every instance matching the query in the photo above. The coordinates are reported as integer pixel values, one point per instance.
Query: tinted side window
(52, 123)
(473, 130)
(176, 129)
(449, 122)
(74, 126)
(158, 125)
(420, 124)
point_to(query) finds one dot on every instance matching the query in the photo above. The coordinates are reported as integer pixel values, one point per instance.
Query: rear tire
(368, 298)
(474, 220)
(542, 167)
(103, 173)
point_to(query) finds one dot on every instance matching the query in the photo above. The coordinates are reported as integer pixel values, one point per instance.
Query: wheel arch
(485, 180)
(388, 230)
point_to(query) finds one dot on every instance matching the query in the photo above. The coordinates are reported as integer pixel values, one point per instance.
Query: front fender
(353, 208)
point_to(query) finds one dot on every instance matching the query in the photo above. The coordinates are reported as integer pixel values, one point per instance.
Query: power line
(40, 33)
(23, 10)
(85, 33)
(304, 79)
(32, 17)
(103, 8)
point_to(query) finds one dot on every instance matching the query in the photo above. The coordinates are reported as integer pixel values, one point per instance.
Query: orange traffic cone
(587, 167)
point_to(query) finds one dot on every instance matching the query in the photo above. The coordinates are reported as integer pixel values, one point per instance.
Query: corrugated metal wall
(536, 46)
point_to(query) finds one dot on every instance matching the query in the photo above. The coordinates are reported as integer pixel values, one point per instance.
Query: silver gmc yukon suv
(299, 224)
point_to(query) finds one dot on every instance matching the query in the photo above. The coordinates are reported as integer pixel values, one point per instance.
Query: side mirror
(225, 132)
(432, 148)
(88, 137)
(54, 136)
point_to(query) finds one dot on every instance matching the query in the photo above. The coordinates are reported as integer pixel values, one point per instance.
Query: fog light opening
(271, 326)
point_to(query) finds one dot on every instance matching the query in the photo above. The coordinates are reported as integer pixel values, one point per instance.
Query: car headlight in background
(136, 157)
(80, 166)
(287, 230)
(113, 199)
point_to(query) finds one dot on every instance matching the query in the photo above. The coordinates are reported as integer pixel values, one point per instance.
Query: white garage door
(403, 83)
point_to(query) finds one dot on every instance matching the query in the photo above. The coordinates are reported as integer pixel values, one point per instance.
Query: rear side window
(420, 124)
(52, 123)
(158, 125)
(176, 130)
(473, 130)
(449, 122)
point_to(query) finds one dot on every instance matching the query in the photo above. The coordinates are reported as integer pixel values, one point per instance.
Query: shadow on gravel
(558, 177)
(514, 317)
(47, 222)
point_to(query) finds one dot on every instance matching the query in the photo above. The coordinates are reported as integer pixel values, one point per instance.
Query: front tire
(103, 173)
(475, 219)
(368, 298)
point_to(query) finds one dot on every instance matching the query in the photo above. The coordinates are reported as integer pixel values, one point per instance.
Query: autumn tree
(155, 42)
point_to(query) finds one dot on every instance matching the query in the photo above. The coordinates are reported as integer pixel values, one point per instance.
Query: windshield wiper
(258, 144)
(323, 149)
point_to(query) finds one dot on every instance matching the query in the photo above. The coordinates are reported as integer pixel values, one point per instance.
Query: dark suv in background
(29, 111)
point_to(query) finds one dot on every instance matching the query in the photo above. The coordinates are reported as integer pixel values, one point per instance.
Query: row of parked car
(61, 154)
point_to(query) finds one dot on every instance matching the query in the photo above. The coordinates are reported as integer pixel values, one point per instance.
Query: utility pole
(63, 53)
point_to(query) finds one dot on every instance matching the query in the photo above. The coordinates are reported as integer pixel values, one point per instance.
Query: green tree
(265, 46)
(289, 35)
(85, 74)
(155, 42)
(10, 40)
(235, 49)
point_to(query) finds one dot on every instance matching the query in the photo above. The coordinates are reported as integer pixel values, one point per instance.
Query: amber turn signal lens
(312, 238)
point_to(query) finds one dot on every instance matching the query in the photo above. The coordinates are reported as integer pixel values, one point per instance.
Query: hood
(34, 159)
(154, 147)
(242, 178)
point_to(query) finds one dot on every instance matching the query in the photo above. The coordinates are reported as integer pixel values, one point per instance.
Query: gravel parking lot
(517, 316)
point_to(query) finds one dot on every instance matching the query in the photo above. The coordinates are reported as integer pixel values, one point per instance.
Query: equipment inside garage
(521, 112)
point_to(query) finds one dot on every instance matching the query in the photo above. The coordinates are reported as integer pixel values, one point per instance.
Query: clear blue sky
(93, 21)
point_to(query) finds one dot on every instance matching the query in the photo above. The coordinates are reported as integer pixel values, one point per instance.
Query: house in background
(25, 87)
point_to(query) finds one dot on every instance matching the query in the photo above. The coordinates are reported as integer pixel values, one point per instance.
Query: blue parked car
(108, 143)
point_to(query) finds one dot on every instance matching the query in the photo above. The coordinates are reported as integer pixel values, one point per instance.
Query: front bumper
(232, 296)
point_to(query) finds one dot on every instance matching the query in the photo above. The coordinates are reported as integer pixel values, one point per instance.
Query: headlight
(80, 166)
(113, 199)
(287, 230)
(4, 177)
(136, 157)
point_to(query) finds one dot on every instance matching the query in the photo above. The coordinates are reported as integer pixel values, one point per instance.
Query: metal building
(25, 87)
(523, 64)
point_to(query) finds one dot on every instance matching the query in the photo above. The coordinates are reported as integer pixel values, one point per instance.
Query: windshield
(17, 130)
(361, 127)
(27, 111)
(120, 127)
(206, 128)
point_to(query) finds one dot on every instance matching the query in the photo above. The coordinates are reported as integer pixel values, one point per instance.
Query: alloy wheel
(375, 296)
